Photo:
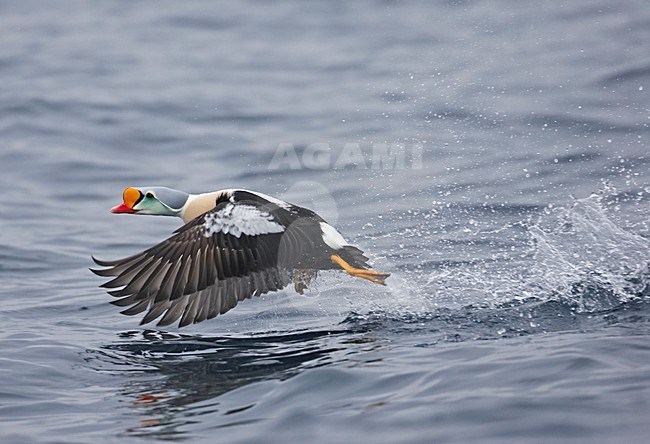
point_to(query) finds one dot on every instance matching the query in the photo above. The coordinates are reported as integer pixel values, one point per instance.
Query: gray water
(516, 226)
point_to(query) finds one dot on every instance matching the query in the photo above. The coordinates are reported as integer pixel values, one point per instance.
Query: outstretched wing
(210, 264)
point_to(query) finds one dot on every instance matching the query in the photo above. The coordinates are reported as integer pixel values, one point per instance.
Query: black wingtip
(106, 272)
(102, 263)
(160, 323)
(185, 322)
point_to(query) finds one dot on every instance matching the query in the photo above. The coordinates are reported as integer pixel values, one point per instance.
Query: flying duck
(235, 244)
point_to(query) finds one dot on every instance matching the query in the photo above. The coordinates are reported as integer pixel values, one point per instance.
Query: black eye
(150, 195)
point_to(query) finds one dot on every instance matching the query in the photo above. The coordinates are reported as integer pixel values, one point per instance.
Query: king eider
(235, 244)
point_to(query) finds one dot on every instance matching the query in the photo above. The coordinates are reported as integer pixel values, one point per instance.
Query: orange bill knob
(131, 197)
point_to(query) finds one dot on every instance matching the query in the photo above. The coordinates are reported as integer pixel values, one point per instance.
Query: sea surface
(492, 155)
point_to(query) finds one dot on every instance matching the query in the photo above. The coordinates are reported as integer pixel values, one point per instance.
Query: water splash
(582, 255)
(575, 254)
(570, 267)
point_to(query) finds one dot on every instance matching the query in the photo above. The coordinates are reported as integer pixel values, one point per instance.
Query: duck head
(157, 201)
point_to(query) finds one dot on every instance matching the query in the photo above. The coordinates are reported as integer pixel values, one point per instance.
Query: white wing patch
(240, 219)
(331, 237)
